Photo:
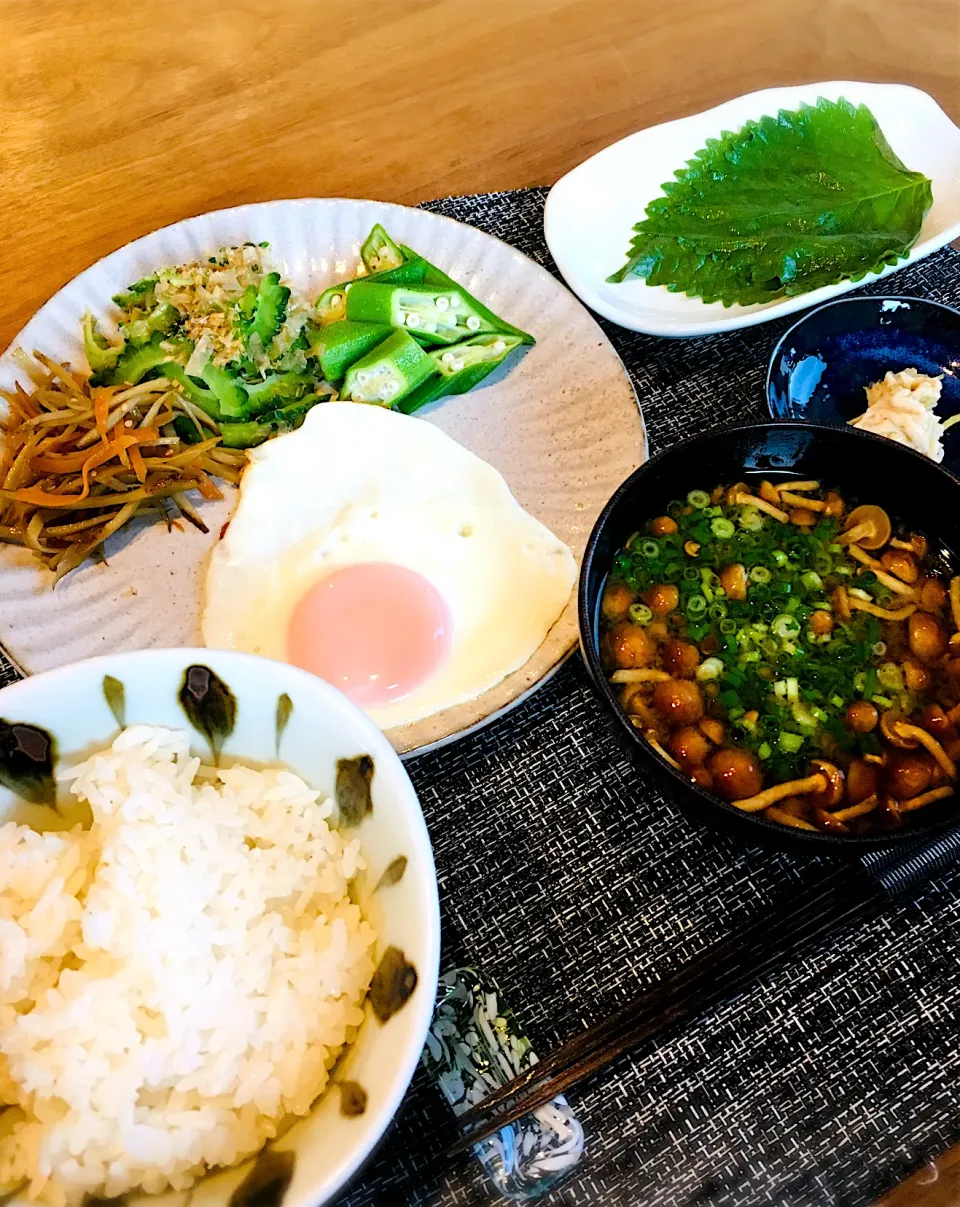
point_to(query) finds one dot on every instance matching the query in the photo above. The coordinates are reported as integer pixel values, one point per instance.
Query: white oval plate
(562, 426)
(591, 212)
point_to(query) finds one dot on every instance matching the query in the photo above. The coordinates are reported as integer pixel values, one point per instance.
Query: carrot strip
(136, 461)
(101, 409)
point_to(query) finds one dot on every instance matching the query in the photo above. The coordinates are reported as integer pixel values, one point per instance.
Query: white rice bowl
(178, 978)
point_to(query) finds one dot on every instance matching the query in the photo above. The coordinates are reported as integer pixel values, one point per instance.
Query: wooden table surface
(117, 118)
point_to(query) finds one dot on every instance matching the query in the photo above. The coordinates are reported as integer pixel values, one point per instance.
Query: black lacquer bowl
(910, 487)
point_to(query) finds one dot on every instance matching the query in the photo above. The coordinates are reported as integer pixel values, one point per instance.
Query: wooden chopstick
(840, 899)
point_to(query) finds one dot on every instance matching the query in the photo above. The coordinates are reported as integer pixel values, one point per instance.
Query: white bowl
(323, 727)
(591, 212)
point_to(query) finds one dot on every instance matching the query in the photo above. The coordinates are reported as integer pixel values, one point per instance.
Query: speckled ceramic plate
(562, 426)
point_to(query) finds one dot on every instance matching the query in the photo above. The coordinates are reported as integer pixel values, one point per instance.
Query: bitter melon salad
(203, 360)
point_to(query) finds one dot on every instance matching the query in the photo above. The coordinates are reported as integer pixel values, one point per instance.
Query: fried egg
(371, 549)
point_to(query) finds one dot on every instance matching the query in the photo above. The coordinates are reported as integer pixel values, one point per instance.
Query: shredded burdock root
(79, 462)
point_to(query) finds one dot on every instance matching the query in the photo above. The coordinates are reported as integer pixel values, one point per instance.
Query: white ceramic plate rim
(552, 653)
(560, 213)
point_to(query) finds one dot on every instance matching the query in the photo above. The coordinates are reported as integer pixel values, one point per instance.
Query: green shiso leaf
(785, 205)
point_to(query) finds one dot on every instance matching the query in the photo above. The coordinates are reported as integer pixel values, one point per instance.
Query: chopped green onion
(812, 581)
(717, 611)
(779, 557)
(728, 627)
(785, 626)
(691, 574)
(837, 701)
(672, 571)
(640, 613)
(696, 607)
(823, 563)
(764, 750)
(649, 549)
(790, 743)
(751, 519)
(879, 648)
(804, 716)
(698, 499)
(759, 574)
(710, 668)
(722, 528)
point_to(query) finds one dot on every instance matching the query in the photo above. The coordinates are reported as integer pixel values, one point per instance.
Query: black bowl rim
(808, 315)
(768, 830)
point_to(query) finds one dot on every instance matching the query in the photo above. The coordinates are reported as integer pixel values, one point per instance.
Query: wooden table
(116, 118)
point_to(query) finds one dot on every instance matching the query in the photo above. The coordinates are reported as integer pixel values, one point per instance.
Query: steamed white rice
(175, 981)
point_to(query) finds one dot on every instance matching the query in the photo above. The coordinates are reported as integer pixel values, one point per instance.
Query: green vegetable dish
(783, 206)
(234, 340)
(796, 657)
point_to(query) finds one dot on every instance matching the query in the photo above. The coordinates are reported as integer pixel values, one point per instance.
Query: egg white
(359, 484)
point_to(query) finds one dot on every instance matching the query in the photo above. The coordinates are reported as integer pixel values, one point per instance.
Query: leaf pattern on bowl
(352, 791)
(116, 697)
(392, 873)
(392, 985)
(353, 1099)
(210, 705)
(284, 713)
(27, 760)
(267, 1182)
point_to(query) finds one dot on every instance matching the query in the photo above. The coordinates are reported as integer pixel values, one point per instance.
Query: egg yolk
(374, 630)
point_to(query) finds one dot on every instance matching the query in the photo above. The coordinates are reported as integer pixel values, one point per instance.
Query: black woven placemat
(572, 880)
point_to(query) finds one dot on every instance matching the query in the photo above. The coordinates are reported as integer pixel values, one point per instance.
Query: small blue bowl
(819, 370)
